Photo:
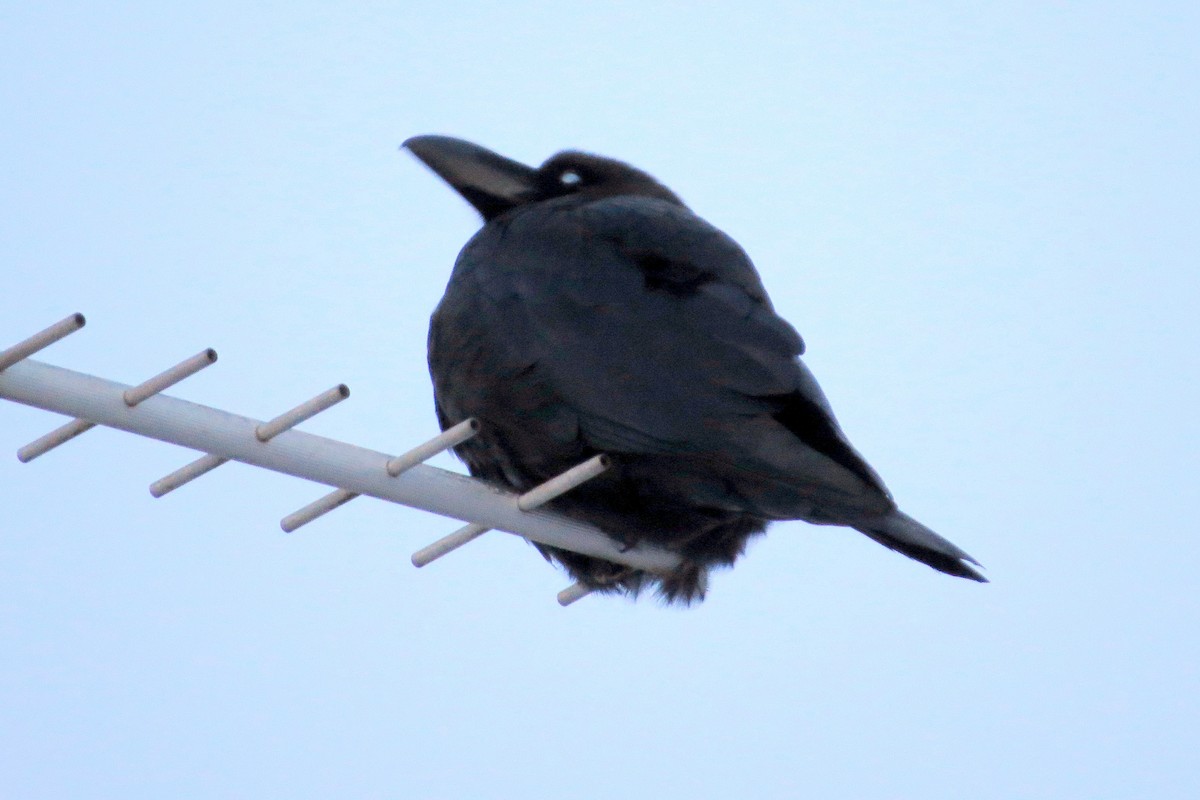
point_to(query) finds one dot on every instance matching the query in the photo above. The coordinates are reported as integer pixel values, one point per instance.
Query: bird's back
(630, 326)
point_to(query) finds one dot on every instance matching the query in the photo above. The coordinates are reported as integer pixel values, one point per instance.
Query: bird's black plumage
(594, 312)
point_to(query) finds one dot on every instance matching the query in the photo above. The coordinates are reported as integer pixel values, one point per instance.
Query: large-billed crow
(594, 312)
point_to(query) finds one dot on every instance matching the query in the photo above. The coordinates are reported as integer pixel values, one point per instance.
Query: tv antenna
(276, 445)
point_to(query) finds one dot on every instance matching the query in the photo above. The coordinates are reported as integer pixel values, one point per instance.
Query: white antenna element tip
(576, 591)
(41, 340)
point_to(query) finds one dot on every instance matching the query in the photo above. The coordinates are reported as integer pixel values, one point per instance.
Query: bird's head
(494, 184)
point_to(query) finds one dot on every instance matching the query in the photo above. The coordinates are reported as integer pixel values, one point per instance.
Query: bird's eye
(570, 178)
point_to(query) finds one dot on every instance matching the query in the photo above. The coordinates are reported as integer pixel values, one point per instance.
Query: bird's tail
(904, 534)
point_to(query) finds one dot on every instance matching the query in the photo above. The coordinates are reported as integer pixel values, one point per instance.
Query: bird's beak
(487, 180)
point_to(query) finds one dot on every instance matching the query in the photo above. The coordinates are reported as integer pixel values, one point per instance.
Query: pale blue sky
(981, 217)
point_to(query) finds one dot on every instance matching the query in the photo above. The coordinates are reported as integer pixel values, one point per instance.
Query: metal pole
(333, 463)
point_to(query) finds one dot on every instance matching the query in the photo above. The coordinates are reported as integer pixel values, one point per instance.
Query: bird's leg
(614, 578)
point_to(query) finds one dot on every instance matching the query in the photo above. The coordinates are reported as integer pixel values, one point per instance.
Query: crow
(595, 313)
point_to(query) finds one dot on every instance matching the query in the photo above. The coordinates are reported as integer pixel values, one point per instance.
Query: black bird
(594, 312)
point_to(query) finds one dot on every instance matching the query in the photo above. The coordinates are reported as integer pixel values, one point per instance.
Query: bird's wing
(656, 330)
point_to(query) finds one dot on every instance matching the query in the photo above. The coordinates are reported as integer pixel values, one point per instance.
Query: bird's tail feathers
(904, 534)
